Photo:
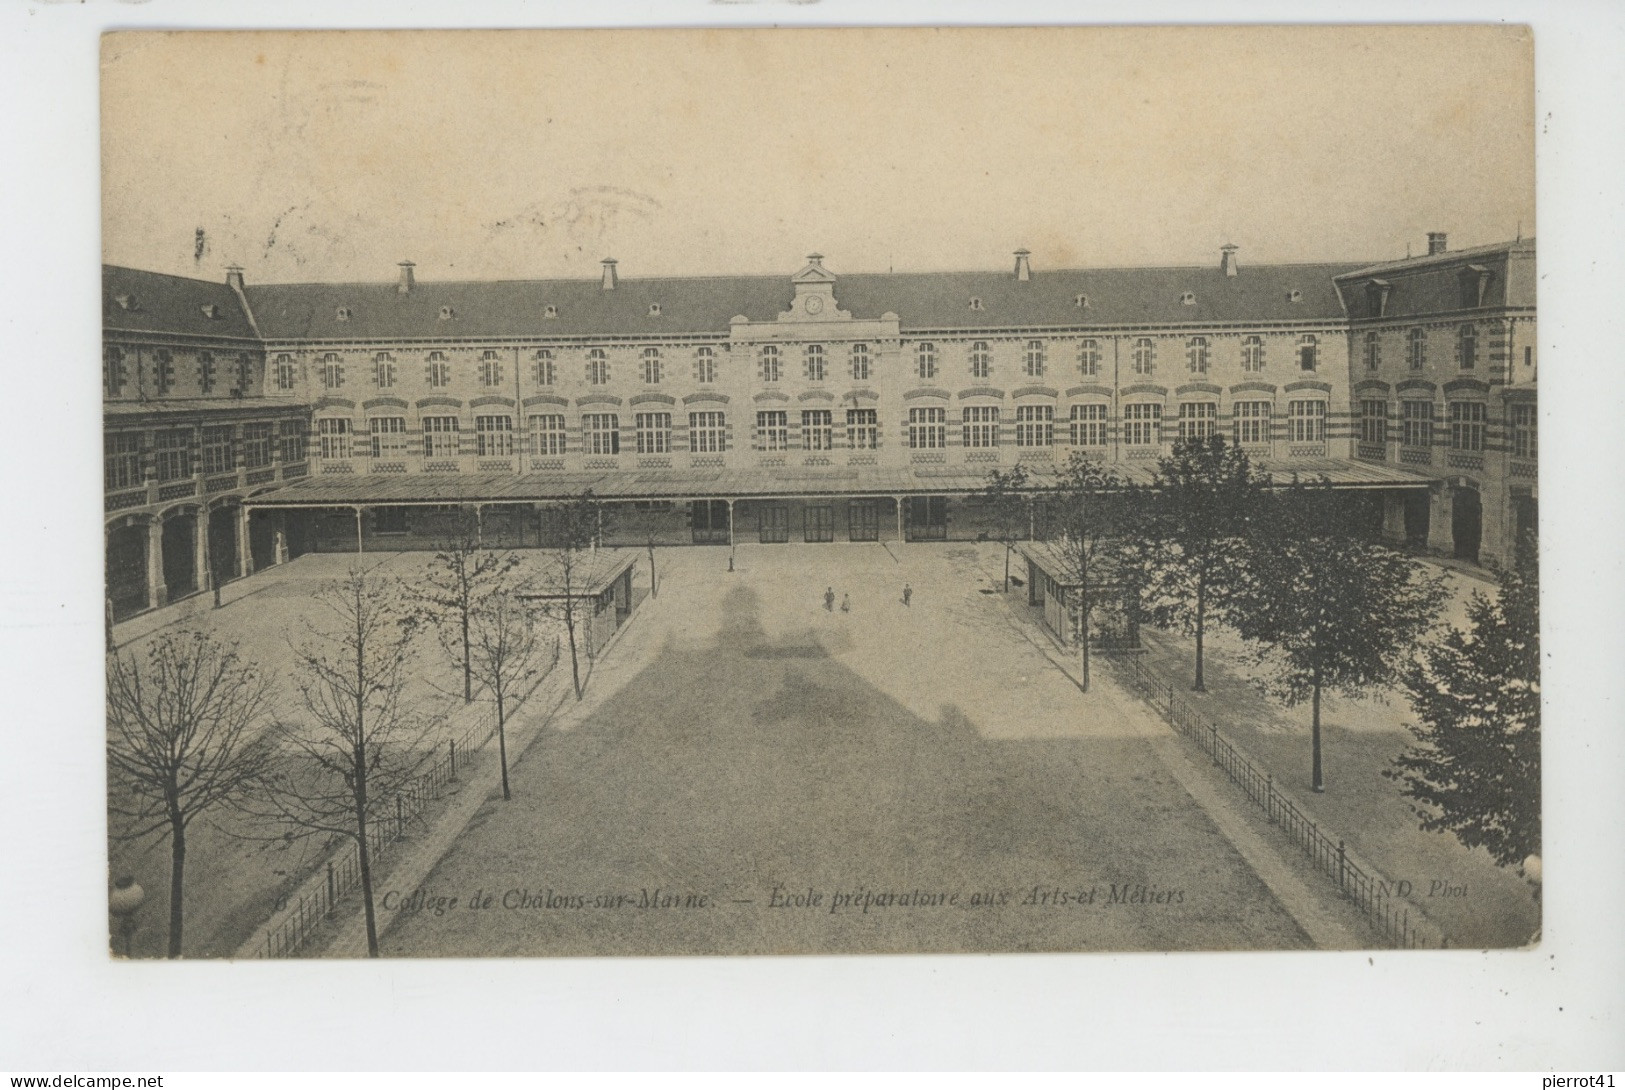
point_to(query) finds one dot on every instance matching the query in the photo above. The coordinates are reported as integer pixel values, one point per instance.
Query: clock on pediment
(815, 294)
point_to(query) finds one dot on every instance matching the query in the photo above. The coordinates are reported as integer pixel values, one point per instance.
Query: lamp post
(124, 902)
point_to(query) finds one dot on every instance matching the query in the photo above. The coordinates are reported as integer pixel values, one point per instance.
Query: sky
(519, 154)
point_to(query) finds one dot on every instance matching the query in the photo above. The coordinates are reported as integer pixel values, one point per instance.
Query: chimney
(610, 279)
(1024, 271)
(406, 282)
(234, 277)
(1436, 240)
(1227, 258)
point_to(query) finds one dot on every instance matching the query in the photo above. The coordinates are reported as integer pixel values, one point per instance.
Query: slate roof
(202, 405)
(705, 305)
(1431, 284)
(160, 303)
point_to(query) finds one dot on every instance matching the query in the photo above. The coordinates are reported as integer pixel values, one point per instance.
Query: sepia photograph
(638, 492)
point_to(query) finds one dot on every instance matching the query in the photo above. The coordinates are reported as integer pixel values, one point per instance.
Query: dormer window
(654, 310)
(342, 314)
(1294, 296)
(1188, 299)
(976, 302)
(447, 314)
(211, 311)
(1080, 300)
(550, 311)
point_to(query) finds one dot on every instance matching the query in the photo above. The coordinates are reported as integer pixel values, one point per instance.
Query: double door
(773, 524)
(863, 520)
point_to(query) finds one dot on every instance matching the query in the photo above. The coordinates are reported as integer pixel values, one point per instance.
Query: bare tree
(507, 654)
(1005, 495)
(182, 739)
(571, 535)
(1089, 502)
(357, 747)
(462, 573)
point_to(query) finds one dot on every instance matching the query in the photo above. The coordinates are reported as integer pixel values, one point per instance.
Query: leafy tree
(1006, 498)
(1325, 607)
(1475, 771)
(1090, 504)
(571, 534)
(462, 573)
(1205, 495)
(506, 654)
(182, 739)
(358, 747)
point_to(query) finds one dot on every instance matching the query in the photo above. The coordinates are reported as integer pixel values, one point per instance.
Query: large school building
(248, 423)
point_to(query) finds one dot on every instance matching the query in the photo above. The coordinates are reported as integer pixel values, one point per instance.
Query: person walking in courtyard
(846, 603)
(908, 593)
(829, 599)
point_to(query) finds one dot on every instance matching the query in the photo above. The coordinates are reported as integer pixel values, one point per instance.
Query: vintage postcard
(636, 492)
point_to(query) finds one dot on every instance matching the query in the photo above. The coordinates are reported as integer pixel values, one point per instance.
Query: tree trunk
(177, 881)
(365, 853)
(1083, 628)
(1201, 624)
(502, 743)
(654, 583)
(1006, 567)
(468, 670)
(1318, 780)
(570, 630)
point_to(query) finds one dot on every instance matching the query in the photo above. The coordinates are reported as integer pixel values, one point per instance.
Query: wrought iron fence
(1376, 896)
(299, 919)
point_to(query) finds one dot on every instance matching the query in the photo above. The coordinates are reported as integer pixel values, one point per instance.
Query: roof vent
(1227, 258)
(1024, 270)
(1080, 301)
(211, 311)
(1294, 296)
(342, 314)
(406, 283)
(610, 279)
(234, 276)
(976, 302)
(1188, 299)
(1436, 242)
(550, 311)
(447, 314)
(127, 302)
(654, 310)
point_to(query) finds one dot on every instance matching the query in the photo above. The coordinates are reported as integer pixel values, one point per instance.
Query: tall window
(291, 441)
(1142, 424)
(1035, 425)
(981, 426)
(817, 429)
(438, 370)
(547, 434)
(813, 357)
(862, 429)
(925, 360)
(1198, 419)
(332, 371)
(1197, 355)
(651, 366)
(860, 362)
(245, 374)
(1466, 425)
(705, 364)
(172, 453)
(206, 372)
(1308, 352)
(981, 360)
(1252, 421)
(121, 460)
(285, 372)
(440, 437)
(773, 430)
(1373, 421)
(1089, 358)
(388, 436)
(1373, 350)
(1145, 356)
(546, 368)
(1467, 346)
(217, 453)
(597, 367)
(333, 434)
(927, 429)
(1089, 425)
(653, 432)
(1032, 359)
(490, 368)
(603, 432)
(493, 436)
(771, 365)
(383, 370)
(1416, 423)
(1252, 353)
(114, 374)
(1416, 348)
(1306, 421)
(163, 371)
(256, 445)
(707, 433)
(1523, 432)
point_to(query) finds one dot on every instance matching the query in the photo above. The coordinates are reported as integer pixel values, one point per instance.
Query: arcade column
(1441, 536)
(157, 592)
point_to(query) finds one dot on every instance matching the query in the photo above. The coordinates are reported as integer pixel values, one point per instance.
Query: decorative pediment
(1308, 384)
(813, 272)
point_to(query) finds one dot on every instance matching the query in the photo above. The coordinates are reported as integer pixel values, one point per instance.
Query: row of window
(494, 435)
(1142, 424)
(1416, 348)
(211, 373)
(178, 453)
(1467, 421)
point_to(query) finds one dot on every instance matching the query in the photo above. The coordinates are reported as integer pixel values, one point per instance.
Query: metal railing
(299, 919)
(1389, 914)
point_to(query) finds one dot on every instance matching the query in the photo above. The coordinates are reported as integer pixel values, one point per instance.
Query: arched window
(546, 373)
(705, 364)
(1252, 353)
(597, 367)
(383, 370)
(770, 363)
(438, 371)
(1145, 356)
(1032, 359)
(1416, 348)
(332, 371)
(1308, 352)
(860, 362)
(651, 366)
(1089, 358)
(1373, 350)
(981, 360)
(1467, 347)
(1196, 351)
(813, 358)
(490, 368)
(925, 359)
